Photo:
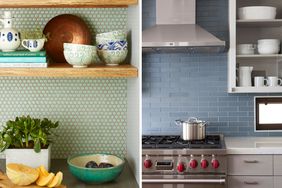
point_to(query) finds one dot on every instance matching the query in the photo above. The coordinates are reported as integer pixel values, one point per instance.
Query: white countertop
(253, 145)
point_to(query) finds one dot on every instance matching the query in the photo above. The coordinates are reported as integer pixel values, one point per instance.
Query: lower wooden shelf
(64, 70)
(277, 89)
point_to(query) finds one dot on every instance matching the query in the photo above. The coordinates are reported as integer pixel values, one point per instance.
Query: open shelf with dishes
(67, 40)
(250, 50)
(67, 3)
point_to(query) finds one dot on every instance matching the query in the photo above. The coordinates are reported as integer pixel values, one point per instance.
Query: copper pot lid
(65, 28)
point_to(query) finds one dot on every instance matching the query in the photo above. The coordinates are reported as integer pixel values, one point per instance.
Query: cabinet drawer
(277, 181)
(250, 181)
(277, 164)
(250, 165)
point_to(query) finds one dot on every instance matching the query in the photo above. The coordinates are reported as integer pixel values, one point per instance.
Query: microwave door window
(270, 113)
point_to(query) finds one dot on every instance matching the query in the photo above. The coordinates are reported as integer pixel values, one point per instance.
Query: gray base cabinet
(250, 165)
(277, 181)
(254, 171)
(277, 171)
(250, 181)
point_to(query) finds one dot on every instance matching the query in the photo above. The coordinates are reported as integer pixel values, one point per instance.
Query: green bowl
(76, 164)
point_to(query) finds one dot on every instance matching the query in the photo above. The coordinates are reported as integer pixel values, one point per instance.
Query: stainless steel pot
(193, 129)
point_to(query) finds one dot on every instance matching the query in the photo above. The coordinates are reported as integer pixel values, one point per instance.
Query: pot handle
(178, 122)
(192, 119)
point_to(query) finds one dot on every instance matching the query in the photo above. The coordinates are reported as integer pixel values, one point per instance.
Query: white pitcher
(245, 76)
(9, 37)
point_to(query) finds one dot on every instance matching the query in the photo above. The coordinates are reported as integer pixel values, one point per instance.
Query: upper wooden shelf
(260, 23)
(65, 3)
(59, 70)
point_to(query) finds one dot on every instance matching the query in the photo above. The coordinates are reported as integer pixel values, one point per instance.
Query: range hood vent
(176, 30)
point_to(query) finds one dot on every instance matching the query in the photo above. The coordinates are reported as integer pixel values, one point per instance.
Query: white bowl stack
(268, 46)
(257, 13)
(112, 47)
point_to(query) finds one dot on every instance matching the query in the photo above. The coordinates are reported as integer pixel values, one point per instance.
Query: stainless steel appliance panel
(178, 181)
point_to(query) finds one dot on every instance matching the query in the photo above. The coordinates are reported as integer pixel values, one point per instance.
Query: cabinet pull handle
(251, 182)
(252, 161)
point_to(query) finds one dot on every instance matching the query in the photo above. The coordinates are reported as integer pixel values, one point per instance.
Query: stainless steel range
(171, 162)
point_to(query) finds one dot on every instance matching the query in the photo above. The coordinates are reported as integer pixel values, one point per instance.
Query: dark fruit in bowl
(91, 164)
(105, 165)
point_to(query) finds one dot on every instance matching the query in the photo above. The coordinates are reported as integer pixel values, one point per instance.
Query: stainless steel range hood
(176, 30)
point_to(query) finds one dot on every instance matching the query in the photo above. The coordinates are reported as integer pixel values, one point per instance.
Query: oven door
(184, 181)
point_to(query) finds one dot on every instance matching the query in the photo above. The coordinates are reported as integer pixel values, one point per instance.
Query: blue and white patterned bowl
(80, 55)
(111, 37)
(116, 45)
(113, 57)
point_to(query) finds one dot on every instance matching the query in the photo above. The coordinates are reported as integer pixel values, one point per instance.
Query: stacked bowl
(268, 46)
(80, 55)
(257, 13)
(112, 47)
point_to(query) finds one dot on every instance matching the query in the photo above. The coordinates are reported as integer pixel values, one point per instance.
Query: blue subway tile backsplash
(181, 85)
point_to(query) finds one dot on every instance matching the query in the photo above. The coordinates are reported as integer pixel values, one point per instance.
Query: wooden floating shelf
(62, 70)
(277, 89)
(65, 3)
(260, 23)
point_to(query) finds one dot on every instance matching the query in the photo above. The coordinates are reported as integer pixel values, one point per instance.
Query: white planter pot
(29, 157)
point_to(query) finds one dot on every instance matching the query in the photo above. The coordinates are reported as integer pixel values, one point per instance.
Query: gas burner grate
(211, 141)
(176, 142)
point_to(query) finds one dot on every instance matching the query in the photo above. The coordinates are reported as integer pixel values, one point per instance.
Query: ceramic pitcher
(9, 37)
(245, 76)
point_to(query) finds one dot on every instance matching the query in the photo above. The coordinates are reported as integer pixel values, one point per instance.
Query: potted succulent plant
(27, 141)
(33, 34)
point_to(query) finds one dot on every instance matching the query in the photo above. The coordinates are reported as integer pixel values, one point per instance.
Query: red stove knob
(180, 167)
(204, 163)
(147, 163)
(193, 163)
(215, 163)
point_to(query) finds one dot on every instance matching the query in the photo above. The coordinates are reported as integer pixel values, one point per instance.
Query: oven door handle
(215, 181)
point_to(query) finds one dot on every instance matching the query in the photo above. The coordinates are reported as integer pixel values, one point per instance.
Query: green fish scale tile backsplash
(91, 112)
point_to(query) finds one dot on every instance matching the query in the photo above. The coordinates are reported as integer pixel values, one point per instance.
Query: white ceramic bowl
(268, 49)
(257, 13)
(245, 49)
(80, 55)
(113, 34)
(113, 57)
(268, 46)
(269, 41)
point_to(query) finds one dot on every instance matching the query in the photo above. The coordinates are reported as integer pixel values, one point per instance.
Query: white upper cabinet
(248, 31)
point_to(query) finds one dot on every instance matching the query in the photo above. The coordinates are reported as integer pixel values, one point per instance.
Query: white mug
(33, 45)
(260, 81)
(274, 81)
